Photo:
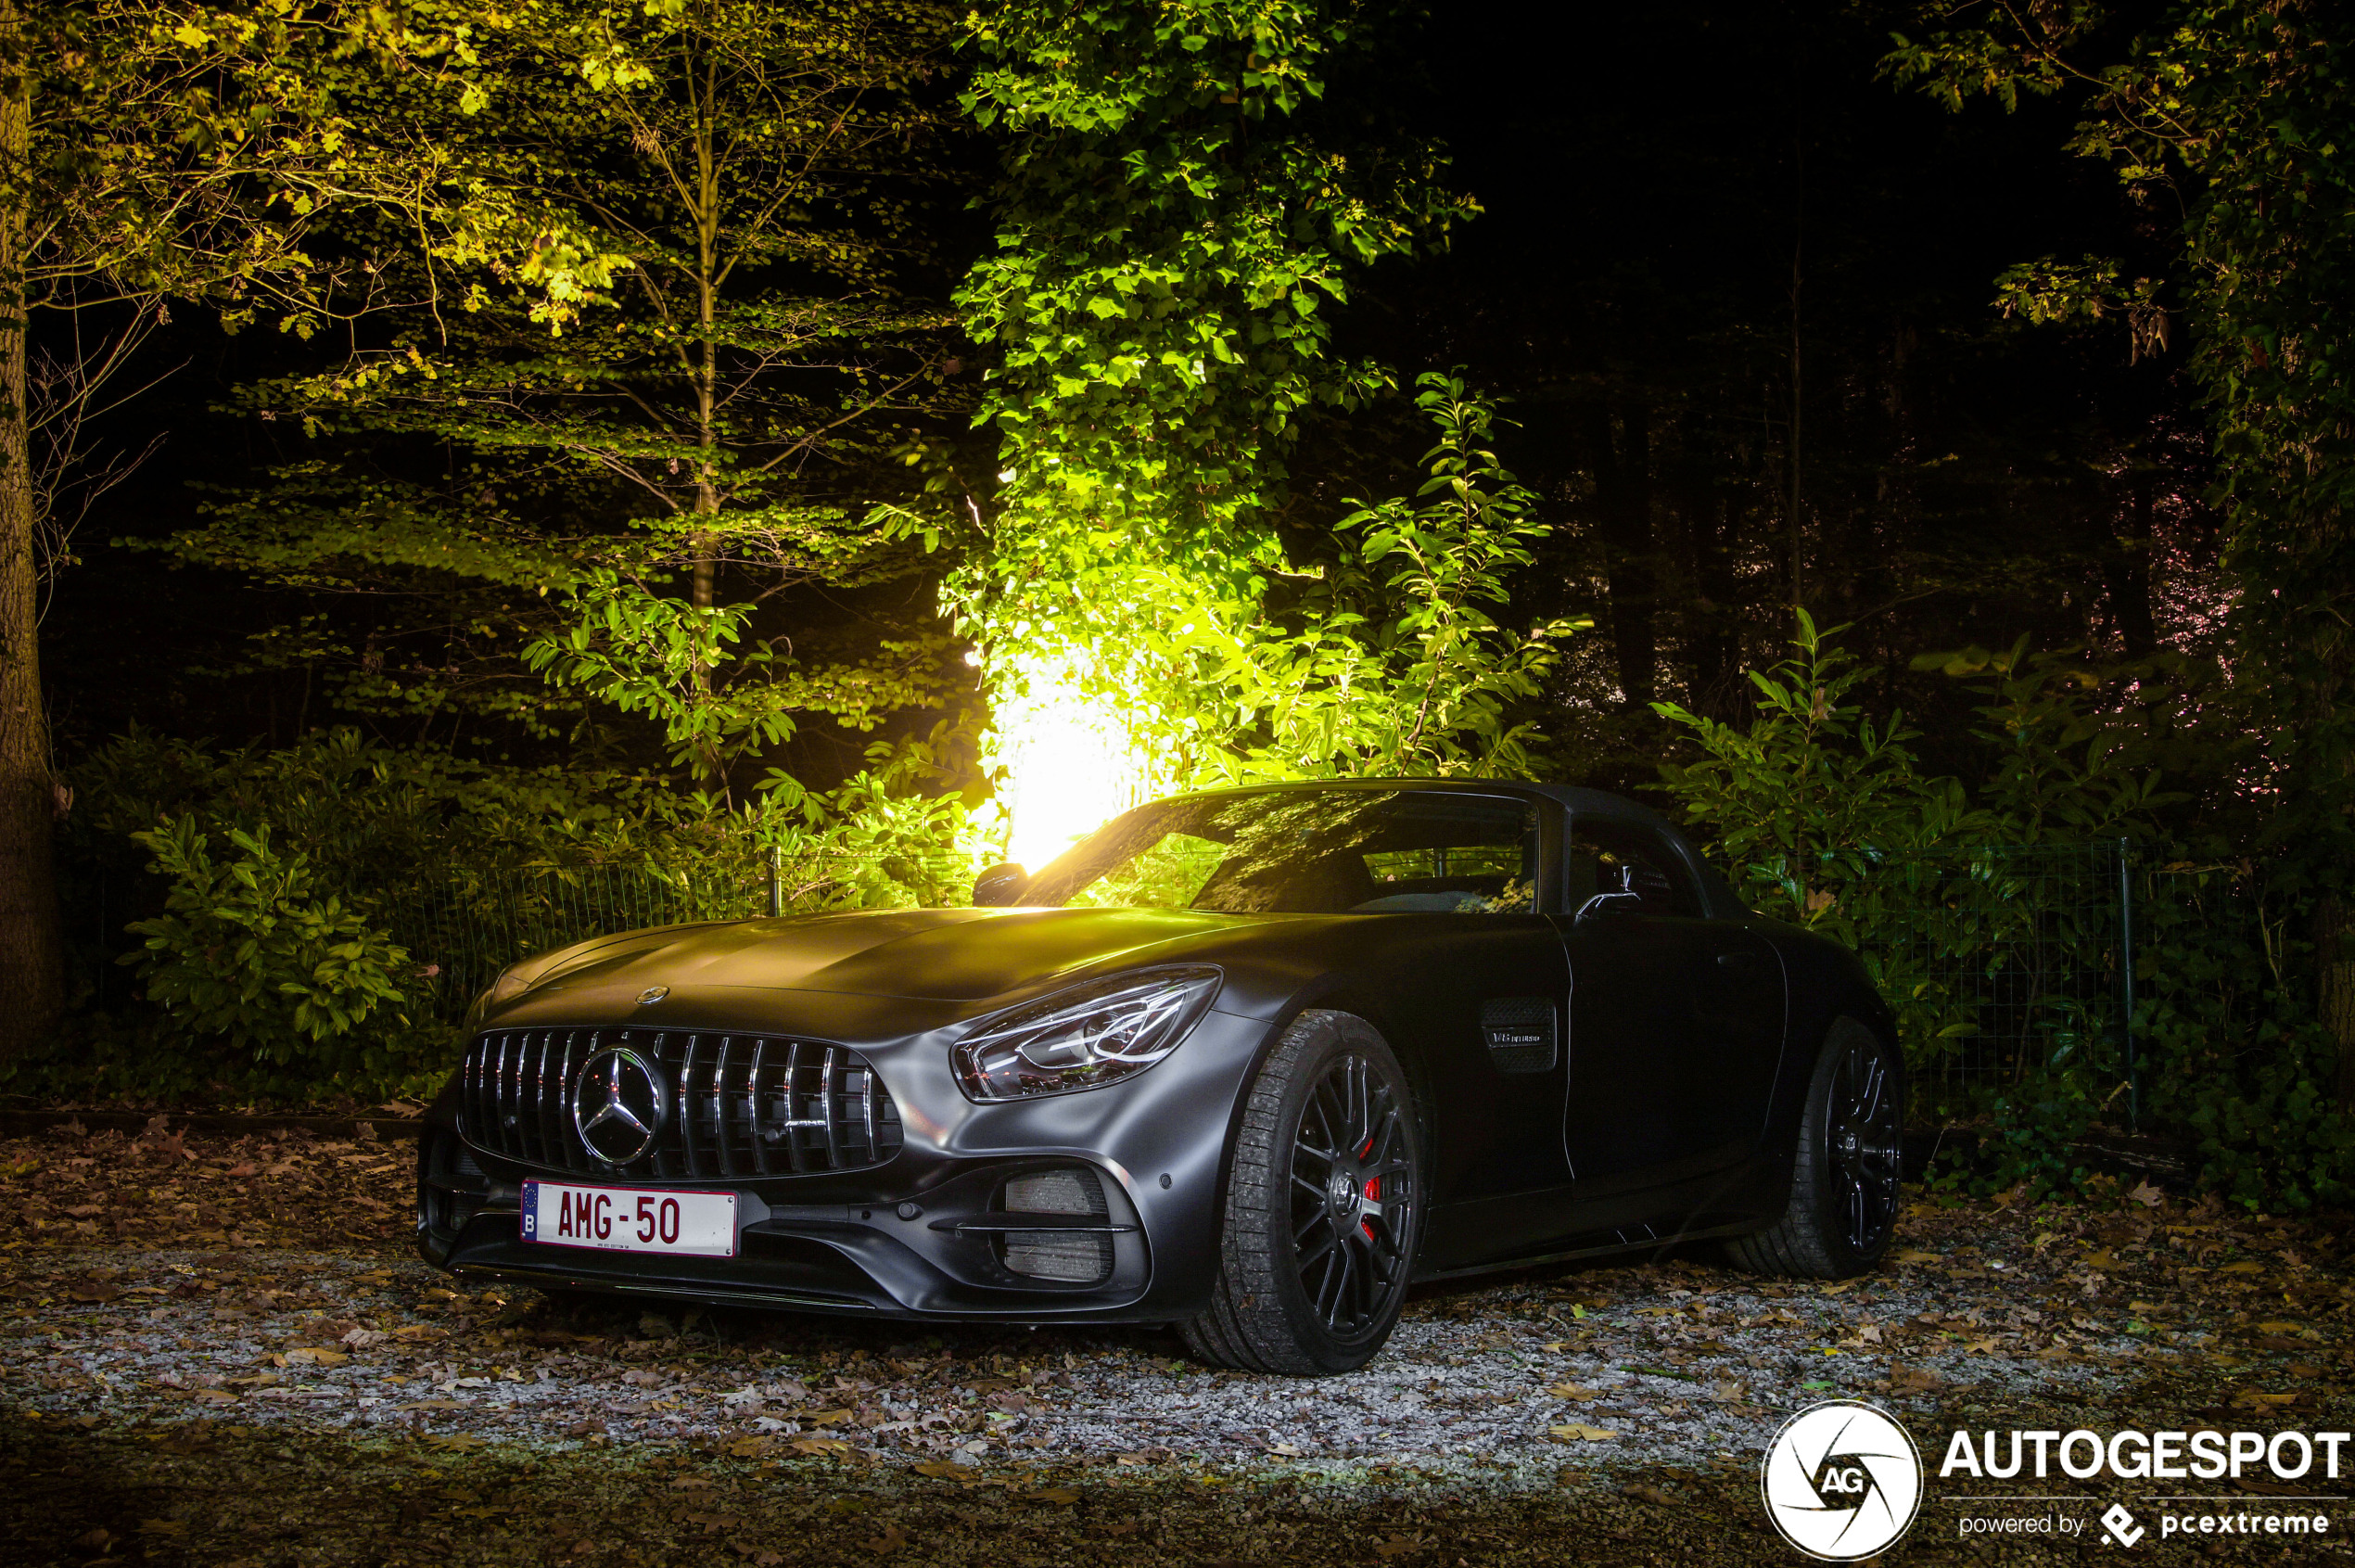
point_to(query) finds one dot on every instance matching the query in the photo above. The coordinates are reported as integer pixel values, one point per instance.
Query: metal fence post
(2126, 979)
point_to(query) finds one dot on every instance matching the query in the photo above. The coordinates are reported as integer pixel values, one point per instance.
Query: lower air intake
(1079, 1257)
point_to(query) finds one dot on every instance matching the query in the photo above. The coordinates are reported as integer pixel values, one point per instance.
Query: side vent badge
(1520, 1032)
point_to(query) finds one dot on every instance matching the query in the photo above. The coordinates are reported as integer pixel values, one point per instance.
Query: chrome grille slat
(752, 1109)
(785, 1103)
(826, 1112)
(719, 1105)
(735, 1099)
(685, 1095)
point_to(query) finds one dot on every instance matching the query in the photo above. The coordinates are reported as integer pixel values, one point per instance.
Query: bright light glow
(1073, 764)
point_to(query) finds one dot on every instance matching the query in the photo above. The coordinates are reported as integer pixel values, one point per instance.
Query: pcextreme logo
(1842, 1480)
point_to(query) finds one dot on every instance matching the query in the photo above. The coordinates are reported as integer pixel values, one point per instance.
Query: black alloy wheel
(1865, 1139)
(1324, 1206)
(1843, 1204)
(1353, 1194)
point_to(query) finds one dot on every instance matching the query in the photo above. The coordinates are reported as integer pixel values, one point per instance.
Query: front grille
(738, 1105)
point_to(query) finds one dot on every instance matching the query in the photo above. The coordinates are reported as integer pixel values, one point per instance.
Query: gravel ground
(191, 1372)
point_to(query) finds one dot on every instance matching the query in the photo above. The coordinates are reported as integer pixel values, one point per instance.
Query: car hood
(944, 955)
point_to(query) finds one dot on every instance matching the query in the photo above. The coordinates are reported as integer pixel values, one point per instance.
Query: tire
(1313, 1272)
(1844, 1179)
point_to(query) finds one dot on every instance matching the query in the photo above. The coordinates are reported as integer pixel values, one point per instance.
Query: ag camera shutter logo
(1842, 1481)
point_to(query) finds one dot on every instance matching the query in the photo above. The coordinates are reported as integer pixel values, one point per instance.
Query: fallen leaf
(1643, 1492)
(1399, 1546)
(1915, 1255)
(939, 1468)
(1579, 1433)
(1060, 1494)
(457, 1442)
(312, 1355)
(2246, 1266)
(2147, 1195)
(1290, 1451)
(828, 1417)
(1573, 1391)
(820, 1446)
(891, 1540)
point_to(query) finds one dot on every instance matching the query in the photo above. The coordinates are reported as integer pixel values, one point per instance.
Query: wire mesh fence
(462, 935)
(2001, 959)
(2004, 958)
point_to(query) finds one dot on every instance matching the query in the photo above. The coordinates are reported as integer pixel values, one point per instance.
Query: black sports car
(1247, 1062)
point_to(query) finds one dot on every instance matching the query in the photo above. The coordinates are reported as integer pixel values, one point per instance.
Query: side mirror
(1602, 903)
(999, 886)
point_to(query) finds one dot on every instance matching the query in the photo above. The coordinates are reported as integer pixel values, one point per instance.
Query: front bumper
(919, 1236)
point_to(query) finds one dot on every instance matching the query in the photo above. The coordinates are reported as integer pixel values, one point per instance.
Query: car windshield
(1305, 851)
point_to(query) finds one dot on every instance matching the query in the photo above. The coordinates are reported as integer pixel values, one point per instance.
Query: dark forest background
(1738, 290)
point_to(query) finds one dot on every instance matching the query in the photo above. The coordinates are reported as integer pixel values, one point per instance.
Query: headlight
(1084, 1038)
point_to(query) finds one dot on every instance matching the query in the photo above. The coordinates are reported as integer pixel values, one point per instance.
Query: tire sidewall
(1831, 1232)
(1336, 1035)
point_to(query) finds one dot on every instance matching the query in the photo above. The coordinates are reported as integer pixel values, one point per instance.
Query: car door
(1676, 1019)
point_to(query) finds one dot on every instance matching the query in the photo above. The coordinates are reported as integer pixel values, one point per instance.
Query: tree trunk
(32, 950)
(2335, 958)
(1623, 495)
(2126, 576)
(1714, 523)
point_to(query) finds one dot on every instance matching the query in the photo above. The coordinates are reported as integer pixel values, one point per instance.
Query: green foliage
(666, 369)
(1177, 213)
(1807, 798)
(890, 836)
(253, 952)
(647, 654)
(1403, 669)
(2232, 117)
(1819, 813)
(2239, 1061)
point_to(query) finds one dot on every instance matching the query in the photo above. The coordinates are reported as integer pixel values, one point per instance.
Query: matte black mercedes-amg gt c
(1248, 1062)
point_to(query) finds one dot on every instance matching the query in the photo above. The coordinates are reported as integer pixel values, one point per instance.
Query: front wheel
(1324, 1208)
(1843, 1193)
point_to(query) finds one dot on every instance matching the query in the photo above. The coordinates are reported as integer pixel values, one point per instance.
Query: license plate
(564, 1213)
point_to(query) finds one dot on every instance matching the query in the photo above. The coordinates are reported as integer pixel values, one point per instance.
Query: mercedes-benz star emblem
(618, 1104)
(653, 994)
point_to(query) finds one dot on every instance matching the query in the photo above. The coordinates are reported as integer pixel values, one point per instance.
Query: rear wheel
(1324, 1206)
(1843, 1193)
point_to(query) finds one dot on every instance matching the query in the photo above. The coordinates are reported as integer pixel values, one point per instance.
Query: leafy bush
(252, 951)
(1817, 811)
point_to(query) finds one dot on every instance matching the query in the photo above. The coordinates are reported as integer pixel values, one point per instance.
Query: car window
(1166, 875)
(1609, 857)
(1307, 851)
